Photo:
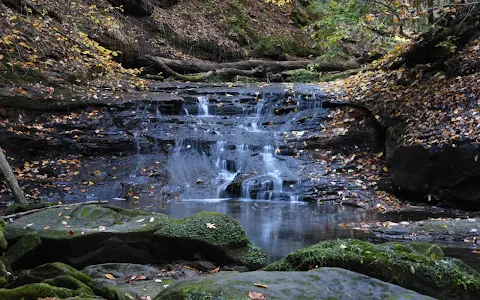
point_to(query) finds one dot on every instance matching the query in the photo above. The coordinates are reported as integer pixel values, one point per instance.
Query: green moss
(106, 291)
(23, 247)
(420, 267)
(339, 75)
(251, 256)
(35, 291)
(227, 232)
(71, 283)
(301, 75)
(3, 241)
(5, 272)
(282, 43)
(129, 212)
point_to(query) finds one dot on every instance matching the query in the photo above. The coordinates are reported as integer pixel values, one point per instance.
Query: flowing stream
(227, 149)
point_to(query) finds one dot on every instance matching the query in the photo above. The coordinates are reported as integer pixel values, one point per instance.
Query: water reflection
(279, 227)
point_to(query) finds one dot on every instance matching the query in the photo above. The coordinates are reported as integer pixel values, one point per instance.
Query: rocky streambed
(100, 252)
(290, 163)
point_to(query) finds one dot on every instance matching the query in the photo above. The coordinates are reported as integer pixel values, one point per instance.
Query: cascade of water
(226, 176)
(258, 113)
(202, 106)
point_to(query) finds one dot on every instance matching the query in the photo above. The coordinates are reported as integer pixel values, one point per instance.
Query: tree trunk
(256, 68)
(11, 180)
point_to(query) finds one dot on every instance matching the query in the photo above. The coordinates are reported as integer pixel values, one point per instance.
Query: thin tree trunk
(11, 180)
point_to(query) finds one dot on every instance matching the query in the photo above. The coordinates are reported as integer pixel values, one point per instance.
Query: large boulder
(91, 234)
(449, 172)
(49, 280)
(85, 235)
(216, 236)
(324, 283)
(417, 266)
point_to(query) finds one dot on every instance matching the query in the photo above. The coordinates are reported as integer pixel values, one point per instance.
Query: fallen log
(256, 68)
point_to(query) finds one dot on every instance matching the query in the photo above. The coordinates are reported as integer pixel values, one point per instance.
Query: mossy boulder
(420, 267)
(39, 290)
(88, 234)
(49, 280)
(47, 272)
(324, 283)
(216, 236)
(23, 249)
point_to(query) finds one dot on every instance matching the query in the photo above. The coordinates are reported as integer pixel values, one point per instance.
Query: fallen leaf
(102, 228)
(216, 270)
(140, 221)
(109, 276)
(28, 226)
(211, 226)
(64, 222)
(261, 285)
(152, 219)
(71, 233)
(47, 227)
(256, 296)
(158, 280)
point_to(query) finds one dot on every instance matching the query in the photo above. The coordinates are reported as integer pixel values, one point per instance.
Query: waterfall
(202, 106)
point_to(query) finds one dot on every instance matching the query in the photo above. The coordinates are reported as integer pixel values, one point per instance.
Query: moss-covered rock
(24, 249)
(324, 283)
(416, 266)
(89, 234)
(49, 271)
(37, 290)
(216, 236)
(71, 283)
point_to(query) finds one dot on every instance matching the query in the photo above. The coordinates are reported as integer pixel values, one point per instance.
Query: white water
(203, 106)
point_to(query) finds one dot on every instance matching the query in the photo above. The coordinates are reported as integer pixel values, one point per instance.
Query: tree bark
(256, 68)
(11, 180)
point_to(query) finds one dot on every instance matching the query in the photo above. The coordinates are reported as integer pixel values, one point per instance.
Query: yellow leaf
(109, 276)
(377, 117)
(1, 57)
(385, 169)
(261, 285)
(395, 20)
(13, 18)
(380, 154)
